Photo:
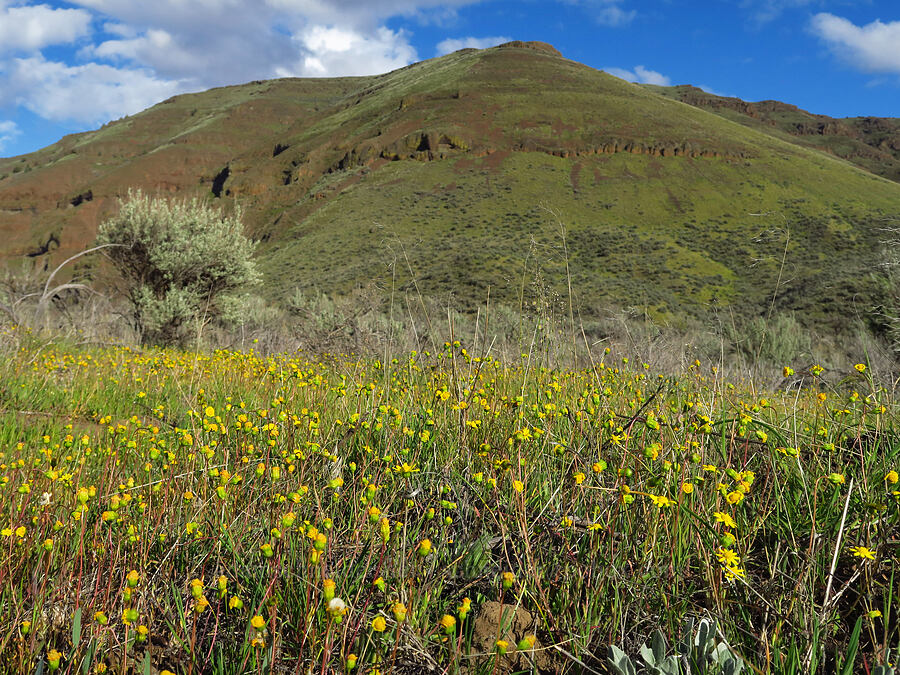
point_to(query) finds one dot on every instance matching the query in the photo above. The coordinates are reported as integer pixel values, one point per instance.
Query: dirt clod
(512, 624)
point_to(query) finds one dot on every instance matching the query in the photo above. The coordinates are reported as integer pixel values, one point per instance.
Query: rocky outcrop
(430, 146)
(827, 127)
(218, 183)
(534, 45)
(701, 99)
(45, 247)
(77, 200)
(871, 142)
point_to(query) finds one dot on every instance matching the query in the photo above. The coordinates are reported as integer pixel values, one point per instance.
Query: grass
(203, 512)
(685, 235)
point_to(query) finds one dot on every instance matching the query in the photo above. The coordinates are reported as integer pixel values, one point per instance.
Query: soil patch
(512, 624)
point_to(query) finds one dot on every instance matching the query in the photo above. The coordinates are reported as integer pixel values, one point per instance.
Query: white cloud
(215, 42)
(87, 93)
(143, 52)
(363, 13)
(203, 45)
(615, 16)
(8, 131)
(335, 52)
(454, 44)
(33, 27)
(710, 90)
(606, 12)
(764, 11)
(641, 75)
(874, 47)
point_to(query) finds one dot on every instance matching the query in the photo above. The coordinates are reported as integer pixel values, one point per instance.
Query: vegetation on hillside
(450, 178)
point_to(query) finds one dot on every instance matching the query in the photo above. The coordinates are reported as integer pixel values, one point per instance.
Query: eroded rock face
(535, 45)
(510, 623)
(870, 142)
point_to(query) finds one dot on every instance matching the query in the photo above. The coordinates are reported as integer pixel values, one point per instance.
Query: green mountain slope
(456, 173)
(870, 142)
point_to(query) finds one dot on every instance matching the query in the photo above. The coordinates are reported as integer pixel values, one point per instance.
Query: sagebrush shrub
(180, 262)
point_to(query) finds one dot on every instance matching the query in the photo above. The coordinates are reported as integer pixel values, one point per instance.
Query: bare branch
(63, 287)
(70, 259)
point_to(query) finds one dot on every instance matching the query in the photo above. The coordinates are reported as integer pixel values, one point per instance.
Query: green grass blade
(76, 628)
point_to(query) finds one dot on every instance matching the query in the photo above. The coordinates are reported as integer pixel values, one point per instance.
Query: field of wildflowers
(443, 512)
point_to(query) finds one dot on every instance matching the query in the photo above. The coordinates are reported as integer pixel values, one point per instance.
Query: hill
(456, 173)
(870, 142)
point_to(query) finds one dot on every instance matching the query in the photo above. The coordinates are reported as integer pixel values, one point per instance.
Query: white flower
(45, 499)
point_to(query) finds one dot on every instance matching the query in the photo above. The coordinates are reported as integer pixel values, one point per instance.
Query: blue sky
(72, 66)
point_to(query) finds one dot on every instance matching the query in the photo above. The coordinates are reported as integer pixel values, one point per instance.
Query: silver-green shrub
(180, 261)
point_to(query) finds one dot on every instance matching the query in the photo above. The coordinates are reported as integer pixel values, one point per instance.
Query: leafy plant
(697, 652)
(179, 262)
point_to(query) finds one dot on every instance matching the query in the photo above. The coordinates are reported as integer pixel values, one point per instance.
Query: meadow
(444, 512)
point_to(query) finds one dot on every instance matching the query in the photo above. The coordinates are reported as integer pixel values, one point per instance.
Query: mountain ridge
(870, 142)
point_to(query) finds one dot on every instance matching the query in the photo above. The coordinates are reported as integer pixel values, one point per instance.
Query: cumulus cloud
(33, 27)
(213, 42)
(184, 41)
(142, 52)
(641, 75)
(8, 131)
(362, 15)
(88, 93)
(335, 52)
(454, 44)
(614, 16)
(874, 47)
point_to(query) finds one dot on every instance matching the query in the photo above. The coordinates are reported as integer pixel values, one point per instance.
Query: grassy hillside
(486, 169)
(870, 142)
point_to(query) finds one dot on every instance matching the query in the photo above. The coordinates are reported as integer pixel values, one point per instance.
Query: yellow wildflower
(862, 552)
(53, 658)
(728, 557)
(735, 497)
(661, 502)
(734, 572)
